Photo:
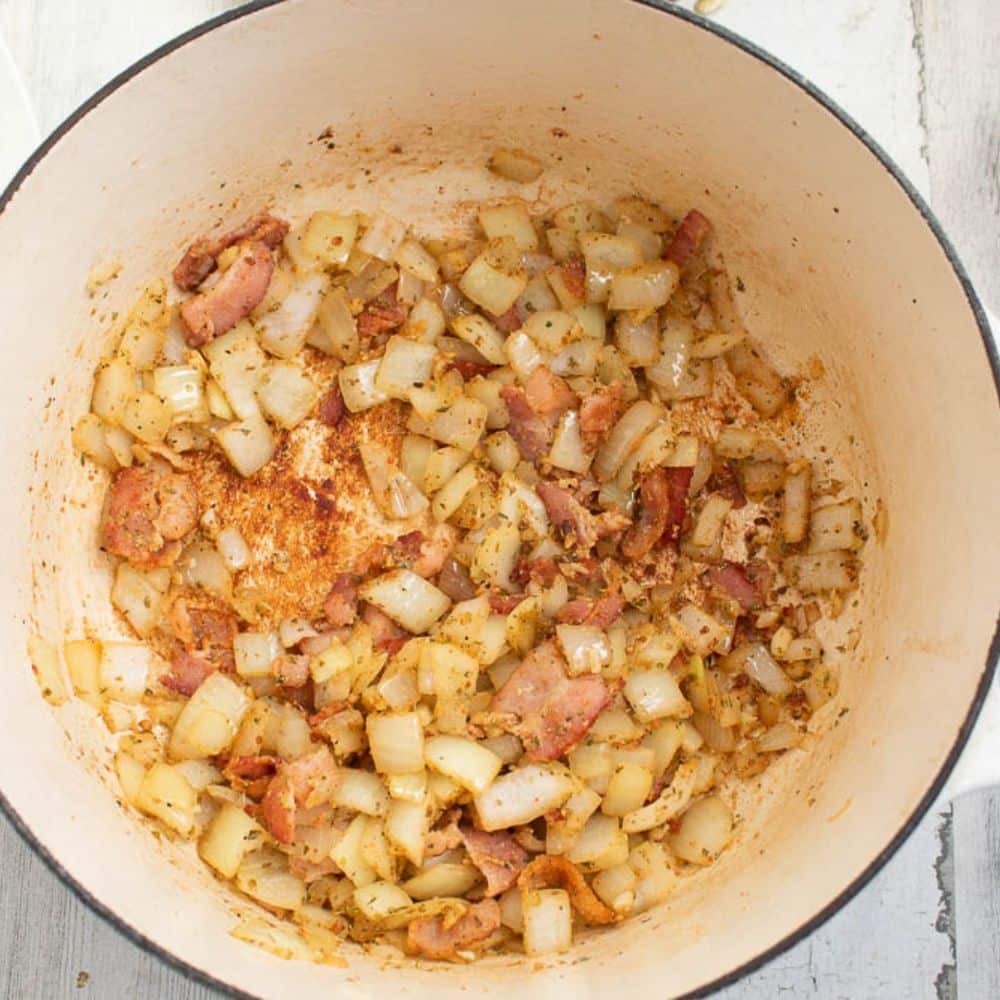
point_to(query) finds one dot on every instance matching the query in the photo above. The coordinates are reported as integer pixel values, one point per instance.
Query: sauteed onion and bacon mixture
(572, 602)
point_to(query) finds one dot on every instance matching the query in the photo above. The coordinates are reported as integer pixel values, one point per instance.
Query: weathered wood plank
(960, 103)
(977, 894)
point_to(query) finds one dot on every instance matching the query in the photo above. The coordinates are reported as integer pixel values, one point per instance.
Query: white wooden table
(923, 76)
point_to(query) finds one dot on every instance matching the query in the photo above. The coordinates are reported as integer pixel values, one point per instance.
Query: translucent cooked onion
(761, 667)
(625, 437)
(523, 794)
(585, 648)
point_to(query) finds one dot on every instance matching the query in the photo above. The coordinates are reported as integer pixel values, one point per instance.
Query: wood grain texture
(977, 894)
(960, 107)
(921, 76)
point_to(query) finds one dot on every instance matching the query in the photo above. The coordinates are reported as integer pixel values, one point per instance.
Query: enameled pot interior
(842, 276)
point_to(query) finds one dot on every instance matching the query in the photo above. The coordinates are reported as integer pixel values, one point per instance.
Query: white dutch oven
(843, 268)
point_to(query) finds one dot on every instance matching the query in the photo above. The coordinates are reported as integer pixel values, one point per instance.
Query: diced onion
(522, 354)
(233, 548)
(339, 328)
(671, 802)
(445, 879)
(283, 331)
(495, 278)
(210, 719)
(496, 556)
(264, 876)
(380, 899)
(249, 444)
(361, 791)
(166, 795)
(705, 830)
(548, 921)
(287, 394)
(396, 742)
(226, 840)
(139, 596)
(523, 794)
(644, 286)
(655, 694)
(509, 219)
(406, 828)
(358, 387)
(628, 788)
(708, 526)
(601, 844)
(329, 238)
(125, 670)
(471, 764)
(835, 526)
(625, 436)
(699, 631)
(615, 887)
(655, 878)
(47, 669)
(761, 667)
(816, 572)
(395, 494)
(407, 599)
(383, 237)
(405, 364)
(585, 648)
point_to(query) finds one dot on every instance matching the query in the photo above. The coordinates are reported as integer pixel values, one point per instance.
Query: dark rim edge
(982, 689)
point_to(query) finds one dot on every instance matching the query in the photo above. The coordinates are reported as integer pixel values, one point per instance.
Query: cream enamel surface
(824, 283)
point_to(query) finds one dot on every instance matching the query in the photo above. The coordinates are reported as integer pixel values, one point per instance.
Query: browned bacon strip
(689, 237)
(430, 937)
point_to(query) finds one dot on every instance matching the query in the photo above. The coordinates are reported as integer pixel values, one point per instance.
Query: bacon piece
(250, 775)
(384, 313)
(290, 670)
(497, 855)
(568, 514)
(213, 312)
(678, 485)
(435, 550)
(689, 237)
(455, 582)
(148, 512)
(551, 712)
(732, 580)
(331, 407)
(201, 257)
(654, 508)
(542, 570)
(507, 322)
(428, 936)
(386, 634)
(205, 631)
(548, 395)
(308, 781)
(504, 604)
(187, 671)
(551, 871)
(600, 613)
(469, 369)
(574, 275)
(599, 412)
(531, 433)
(605, 611)
(277, 808)
(341, 604)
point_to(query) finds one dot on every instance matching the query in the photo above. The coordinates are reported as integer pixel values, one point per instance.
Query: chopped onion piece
(233, 549)
(835, 526)
(496, 557)
(761, 667)
(287, 394)
(380, 899)
(509, 219)
(816, 572)
(358, 386)
(166, 795)
(339, 328)
(406, 364)
(226, 840)
(444, 879)
(548, 921)
(210, 719)
(708, 527)
(329, 238)
(396, 742)
(395, 494)
(602, 844)
(407, 599)
(523, 794)
(495, 278)
(625, 437)
(449, 498)
(47, 669)
(522, 354)
(249, 444)
(705, 830)
(628, 788)
(655, 694)
(361, 791)
(644, 286)
(254, 652)
(482, 335)
(699, 631)
(283, 331)
(125, 670)
(585, 648)
(671, 802)
(471, 764)
(383, 237)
